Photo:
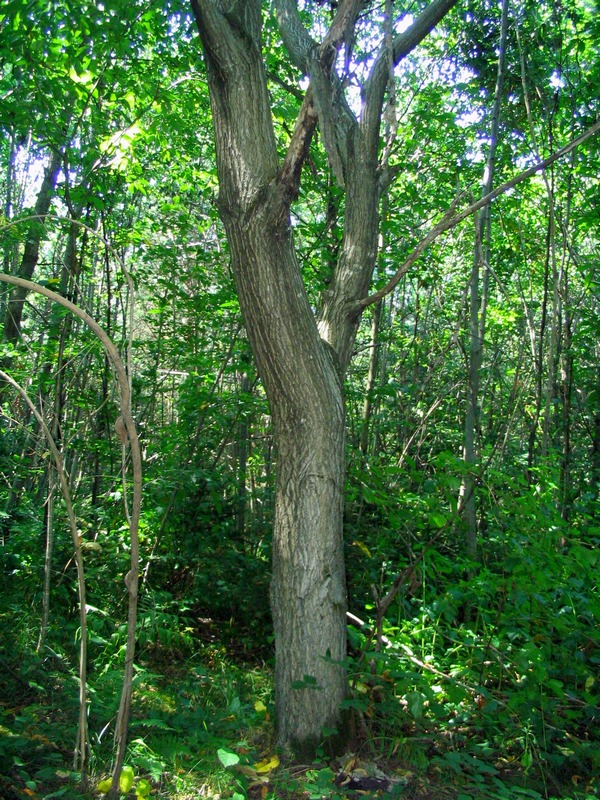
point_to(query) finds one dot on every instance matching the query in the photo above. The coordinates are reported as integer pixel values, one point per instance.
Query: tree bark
(308, 595)
(300, 363)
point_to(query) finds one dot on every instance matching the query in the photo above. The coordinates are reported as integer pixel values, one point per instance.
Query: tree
(400, 145)
(302, 357)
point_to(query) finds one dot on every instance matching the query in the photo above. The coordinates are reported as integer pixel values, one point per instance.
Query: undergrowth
(469, 712)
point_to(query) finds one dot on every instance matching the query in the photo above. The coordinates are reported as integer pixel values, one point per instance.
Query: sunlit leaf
(126, 779)
(143, 788)
(104, 785)
(267, 764)
(227, 758)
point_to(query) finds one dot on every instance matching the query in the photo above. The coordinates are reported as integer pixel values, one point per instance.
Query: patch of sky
(29, 169)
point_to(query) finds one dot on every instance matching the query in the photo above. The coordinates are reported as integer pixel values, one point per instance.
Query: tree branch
(404, 43)
(291, 169)
(318, 61)
(239, 22)
(342, 27)
(451, 220)
(296, 39)
(300, 44)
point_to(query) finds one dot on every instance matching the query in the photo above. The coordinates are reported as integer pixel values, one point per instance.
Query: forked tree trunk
(301, 363)
(304, 389)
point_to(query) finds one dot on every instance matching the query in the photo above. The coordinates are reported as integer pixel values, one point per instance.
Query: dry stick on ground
(81, 744)
(132, 578)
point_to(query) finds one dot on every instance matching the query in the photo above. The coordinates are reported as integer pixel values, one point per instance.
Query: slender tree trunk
(478, 307)
(539, 367)
(555, 333)
(372, 377)
(595, 448)
(241, 442)
(47, 563)
(14, 311)
(374, 374)
(9, 249)
(566, 389)
(566, 367)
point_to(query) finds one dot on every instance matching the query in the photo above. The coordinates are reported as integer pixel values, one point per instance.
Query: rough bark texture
(301, 381)
(301, 363)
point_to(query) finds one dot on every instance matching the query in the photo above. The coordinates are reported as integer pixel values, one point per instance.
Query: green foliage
(502, 661)
(485, 684)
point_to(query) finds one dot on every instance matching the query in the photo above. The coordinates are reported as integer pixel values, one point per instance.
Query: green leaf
(143, 788)
(126, 779)
(307, 682)
(415, 702)
(437, 518)
(227, 758)
(527, 759)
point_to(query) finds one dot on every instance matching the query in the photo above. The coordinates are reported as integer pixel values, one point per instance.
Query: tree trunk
(478, 308)
(595, 449)
(372, 376)
(241, 455)
(301, 364)
(303, 386)
(305, 395)
(14, 312)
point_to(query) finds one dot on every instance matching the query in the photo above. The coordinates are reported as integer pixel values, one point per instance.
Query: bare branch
(318, 61)
(300, 45)
(451, 220)
(297, 152)
(342, 26)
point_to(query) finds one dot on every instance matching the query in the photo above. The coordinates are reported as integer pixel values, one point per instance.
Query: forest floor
(202, 728)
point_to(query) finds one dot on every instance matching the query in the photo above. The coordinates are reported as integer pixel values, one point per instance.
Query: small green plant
(319, 784)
